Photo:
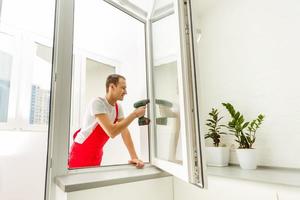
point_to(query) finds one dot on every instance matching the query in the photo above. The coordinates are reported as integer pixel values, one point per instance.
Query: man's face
(120, 89)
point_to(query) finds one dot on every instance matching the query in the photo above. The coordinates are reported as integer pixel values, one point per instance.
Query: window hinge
(187, 29)
(50, 164)
(196, 171)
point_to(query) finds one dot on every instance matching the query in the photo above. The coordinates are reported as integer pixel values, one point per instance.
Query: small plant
(252, 128)
(238, 126)
(214, 131)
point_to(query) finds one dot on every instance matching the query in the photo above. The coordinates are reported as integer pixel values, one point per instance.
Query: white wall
(248, 56)
(96, 74)
(158, 189)
(22, 165)
(234, 189)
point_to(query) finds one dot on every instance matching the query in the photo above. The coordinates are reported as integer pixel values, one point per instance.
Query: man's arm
(114, 129)
(130, 147)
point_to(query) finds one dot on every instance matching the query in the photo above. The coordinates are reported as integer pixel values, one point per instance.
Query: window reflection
(167, 134)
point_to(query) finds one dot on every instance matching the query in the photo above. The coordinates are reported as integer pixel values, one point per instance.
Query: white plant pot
(247, 158)
(217, 156)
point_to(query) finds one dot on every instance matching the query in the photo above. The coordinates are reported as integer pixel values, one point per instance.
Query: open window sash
(175, 134)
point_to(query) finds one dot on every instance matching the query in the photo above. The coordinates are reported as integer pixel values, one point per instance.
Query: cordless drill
(142, 120)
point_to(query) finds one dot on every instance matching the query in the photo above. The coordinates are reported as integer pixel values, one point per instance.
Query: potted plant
(217, 155)
(245, 134)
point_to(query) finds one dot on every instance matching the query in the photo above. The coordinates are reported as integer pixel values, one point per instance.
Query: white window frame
(179, 170)
(79, 56)
(61, 93)
(61, 99)
(192, 169)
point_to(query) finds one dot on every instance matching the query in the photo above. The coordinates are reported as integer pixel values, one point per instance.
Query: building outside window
(39, 110)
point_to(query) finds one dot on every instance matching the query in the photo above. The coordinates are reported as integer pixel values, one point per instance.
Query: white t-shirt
(96, 106)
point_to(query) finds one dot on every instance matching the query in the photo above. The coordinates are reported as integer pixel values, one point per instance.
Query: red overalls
(89, 153)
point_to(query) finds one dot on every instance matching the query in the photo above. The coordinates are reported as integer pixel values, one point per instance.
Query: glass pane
(26, 30)
(167, 109)
(40, 86)
(107, 41)
(5, 76)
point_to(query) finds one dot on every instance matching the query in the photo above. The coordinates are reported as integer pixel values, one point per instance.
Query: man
(104, 119)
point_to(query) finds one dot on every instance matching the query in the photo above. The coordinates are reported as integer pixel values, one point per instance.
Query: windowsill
(271, 175)
(89, 180)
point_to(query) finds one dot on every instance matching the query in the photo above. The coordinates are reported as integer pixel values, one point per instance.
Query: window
(167, 97)
(26, 38)
(5, 76)
(24, 81)
(177, 141)
(40, 86)
(99, 51)
(8, 81)
(168, 142)
(115, 41)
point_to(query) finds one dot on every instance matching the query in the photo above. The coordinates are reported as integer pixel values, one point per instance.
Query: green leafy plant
(252, 128)
(239, 127)
(214, 131)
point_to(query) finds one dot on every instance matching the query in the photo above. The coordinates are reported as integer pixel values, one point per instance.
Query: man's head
(116, 86)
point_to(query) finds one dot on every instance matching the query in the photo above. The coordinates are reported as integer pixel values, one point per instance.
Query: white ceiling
(147, 5)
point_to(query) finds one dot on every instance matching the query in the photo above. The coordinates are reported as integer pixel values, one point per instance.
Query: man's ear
(112, 86)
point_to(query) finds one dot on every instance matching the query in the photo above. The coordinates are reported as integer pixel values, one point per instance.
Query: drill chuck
(141, 103)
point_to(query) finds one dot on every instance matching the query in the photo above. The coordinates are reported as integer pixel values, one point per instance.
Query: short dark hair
(114, 79)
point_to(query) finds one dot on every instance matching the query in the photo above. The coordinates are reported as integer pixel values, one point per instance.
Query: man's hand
(138, 163)
(140, 111)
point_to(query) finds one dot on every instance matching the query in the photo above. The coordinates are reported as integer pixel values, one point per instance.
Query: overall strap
(117, 113)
